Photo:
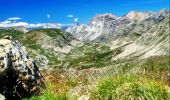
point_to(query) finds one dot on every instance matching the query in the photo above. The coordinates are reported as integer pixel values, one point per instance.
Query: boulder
(19, 75)
(2, 97)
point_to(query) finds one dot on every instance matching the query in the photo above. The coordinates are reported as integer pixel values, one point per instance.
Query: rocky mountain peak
(164, 11)
(103, 26)
(107, 16)
(135, 15)
(103, 18)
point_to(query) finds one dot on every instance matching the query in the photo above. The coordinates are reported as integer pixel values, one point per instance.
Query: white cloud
(12, 24)
(43, 25)
(48, 16)
(20, 24)
(76, 19)
(14, 18)
(6, 22)
(70, 16)
(34, 25)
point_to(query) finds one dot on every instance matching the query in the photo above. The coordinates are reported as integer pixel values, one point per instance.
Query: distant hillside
(48, 42)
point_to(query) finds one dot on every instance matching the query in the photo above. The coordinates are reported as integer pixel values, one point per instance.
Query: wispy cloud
(48, 16)
(12, 24)
(20, 24)
(76, 19)
(14, 18)
(70, 16)
(8, 23)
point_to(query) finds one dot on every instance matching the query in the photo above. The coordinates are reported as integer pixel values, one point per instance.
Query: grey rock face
(41, 61)
(19, 74)
(107, 26)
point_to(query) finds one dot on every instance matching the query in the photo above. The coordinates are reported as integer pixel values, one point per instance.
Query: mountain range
(77, 58)
(104, 25)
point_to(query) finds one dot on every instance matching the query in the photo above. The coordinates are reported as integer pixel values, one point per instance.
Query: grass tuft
(130, 87)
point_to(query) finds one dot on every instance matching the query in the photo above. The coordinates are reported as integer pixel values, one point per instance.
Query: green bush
(130, 88)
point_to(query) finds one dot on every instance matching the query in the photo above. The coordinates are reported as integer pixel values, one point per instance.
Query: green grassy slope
(88, 69)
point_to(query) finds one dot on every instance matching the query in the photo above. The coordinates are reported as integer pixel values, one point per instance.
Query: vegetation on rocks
(89, 55)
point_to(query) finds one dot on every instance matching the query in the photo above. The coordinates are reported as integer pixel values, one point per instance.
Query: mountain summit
(104, 25)
(139, 16)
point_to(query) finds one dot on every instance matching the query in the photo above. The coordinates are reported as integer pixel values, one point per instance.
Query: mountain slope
(137, 34)
(106, 27)
(154, 41)
(52, 44)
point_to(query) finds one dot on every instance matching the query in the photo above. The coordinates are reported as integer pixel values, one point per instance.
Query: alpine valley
(111, 58)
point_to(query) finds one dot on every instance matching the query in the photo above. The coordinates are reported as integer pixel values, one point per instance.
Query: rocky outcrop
(19, 74)
(2, 97)
(41, 61)
(138, 16)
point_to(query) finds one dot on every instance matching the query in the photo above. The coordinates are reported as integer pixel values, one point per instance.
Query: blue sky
(66, 11)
